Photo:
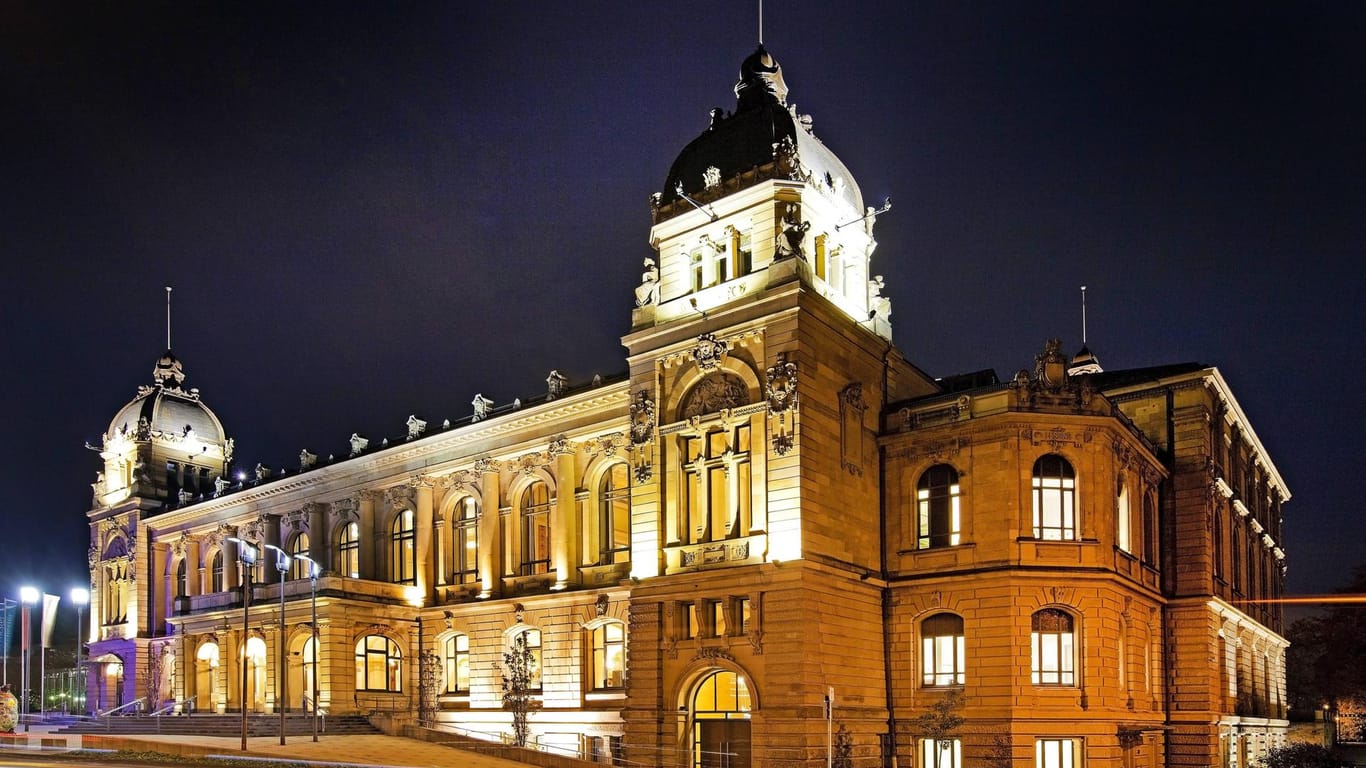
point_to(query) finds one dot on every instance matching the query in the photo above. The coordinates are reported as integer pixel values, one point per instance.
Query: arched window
(1055, 516)
(532, 638)
(466, 532)
(1150, 537)
(614, 516)
(216, 578)
(457, 660)
(942, 650)
(182, 579)
(379, 664)
(1122, 520)
(937, 498)
(347, 561)
(298, 569)
(403, 549)
(1053, 653)
(536, 529)
(609, 657)
(716, 483)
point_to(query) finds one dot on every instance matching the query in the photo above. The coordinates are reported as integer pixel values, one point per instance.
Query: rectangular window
(691, 627)
(1052, 658)
(1055, 753)
(743, 250)
(1122, 520)
(718, 618)
(820, 256)
(743, 611)
(721, 263)
(1054, 517)
(941, 753)
(695, 268)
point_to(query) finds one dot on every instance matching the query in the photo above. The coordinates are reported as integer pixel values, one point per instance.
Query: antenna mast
(761, 22)
(168, 317)
(1083, 316)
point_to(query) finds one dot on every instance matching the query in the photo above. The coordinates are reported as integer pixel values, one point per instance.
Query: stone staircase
(221, 725)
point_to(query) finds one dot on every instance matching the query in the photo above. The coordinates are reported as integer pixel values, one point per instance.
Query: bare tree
(519, 664)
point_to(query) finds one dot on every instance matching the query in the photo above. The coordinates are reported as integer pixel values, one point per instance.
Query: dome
(1084, 361)
(762, 139)
(165, 409)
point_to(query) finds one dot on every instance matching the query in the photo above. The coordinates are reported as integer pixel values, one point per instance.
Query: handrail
(158, 712)
(134, 703)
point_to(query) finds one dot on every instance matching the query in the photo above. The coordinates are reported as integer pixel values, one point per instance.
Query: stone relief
(788, 243)
(718, 391)
(485, 464)
(709, 352)
(642, 418)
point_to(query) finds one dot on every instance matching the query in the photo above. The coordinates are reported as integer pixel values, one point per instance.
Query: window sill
(616, 694)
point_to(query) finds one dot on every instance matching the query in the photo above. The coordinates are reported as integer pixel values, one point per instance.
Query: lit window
(716, 498)
(695, 268)
(1052, 651)
(216, 581)
(536, 529)
(403, 549)
(722, 695)
(745, 620)
(941, 753)
(348, 550)
(721, 263)
(466, 541)
(1122, 521)
(690, 627)
(942, 647)
(614, 516)
(1054, 499)
(1055, 753)
(379, 664)
(298, 569)
(822, 267)
(743, 251)
(939, 507)
(609, 656)
(458, 664)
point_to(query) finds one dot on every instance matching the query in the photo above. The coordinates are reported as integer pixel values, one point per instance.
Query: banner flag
(7, 626)
(49, 617)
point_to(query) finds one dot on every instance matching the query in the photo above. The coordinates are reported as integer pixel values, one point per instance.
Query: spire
(1084, 361)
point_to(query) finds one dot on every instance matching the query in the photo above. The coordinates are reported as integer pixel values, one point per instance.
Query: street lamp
(246, 557)
(313, 571)
(282, 565)
(28, 596)
(80, 596)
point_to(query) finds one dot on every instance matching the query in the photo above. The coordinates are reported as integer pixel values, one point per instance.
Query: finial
(1083, 315)
(168, 317)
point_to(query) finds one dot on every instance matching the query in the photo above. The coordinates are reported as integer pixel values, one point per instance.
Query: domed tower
(755, 201)
(165, 448)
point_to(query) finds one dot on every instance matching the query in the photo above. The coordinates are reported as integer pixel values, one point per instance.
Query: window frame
(464, 533)
(530, 513)
(348, 550)
(601, 645)
(950, 641)
(610, 497)
(298, 568)
(1053, 651)
(1060, 488)
(392, 655)
(931, 753)
(938, 502)
(403, 548)
(217, 575)
(452, 656)
(1066, 753)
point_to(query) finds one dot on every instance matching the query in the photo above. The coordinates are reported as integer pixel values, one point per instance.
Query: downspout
(890, 761)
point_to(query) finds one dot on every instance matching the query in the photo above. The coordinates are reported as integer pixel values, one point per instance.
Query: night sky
(375, 210)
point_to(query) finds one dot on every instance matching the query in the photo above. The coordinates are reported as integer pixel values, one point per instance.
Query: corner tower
(760, 358)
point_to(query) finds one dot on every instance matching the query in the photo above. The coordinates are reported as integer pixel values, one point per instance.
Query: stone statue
(556, 384)
(880, 305)
(647, 293)
(483, 407)
(789, 240)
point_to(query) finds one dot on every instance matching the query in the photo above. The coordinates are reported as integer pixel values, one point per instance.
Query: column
(160, 591)
(490, 544)
(365, 501)
(194, 569)
(423, 537)
(230, 667)
(318, 535)
(564, 518)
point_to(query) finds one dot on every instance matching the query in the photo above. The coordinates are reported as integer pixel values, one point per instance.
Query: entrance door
(721, 726)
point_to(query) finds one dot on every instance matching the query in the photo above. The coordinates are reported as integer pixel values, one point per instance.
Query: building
(772, 506)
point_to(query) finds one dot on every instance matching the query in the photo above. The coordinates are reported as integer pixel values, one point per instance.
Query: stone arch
(689, 378)
(720, 727)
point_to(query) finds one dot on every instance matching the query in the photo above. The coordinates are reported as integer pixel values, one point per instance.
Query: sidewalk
(371, 750)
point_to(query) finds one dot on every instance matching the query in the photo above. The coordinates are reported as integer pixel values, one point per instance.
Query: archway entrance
(108, 682)
(255, 652)
(720, 711)
(206, 678)
(301, 671)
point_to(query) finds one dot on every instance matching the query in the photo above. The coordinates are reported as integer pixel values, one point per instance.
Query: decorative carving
(880, 305)
(713, 653)
(527, 464)
(787, 159)
(556, 384)
(851, 428)
(601, 604)
(485, 465)
(608, 444)
(709, 352)
(415, 426)
(788, 243)
(719, 391)
(781, 393)
(642, 418)
(711, 177)
(560, 446)
(935, 598)
(307, 460)
(358, 445)
(647, 293)
(756, 642)
(518, 612)
(422, 481)
(262, 472)
(483, 408)
(398, 496)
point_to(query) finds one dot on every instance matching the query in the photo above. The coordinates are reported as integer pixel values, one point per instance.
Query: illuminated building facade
(771, 505)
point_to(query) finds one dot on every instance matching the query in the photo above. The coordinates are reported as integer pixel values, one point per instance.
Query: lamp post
(80, 596)
(313, 570)
(246, 557)
(28, 596)
(282, 565)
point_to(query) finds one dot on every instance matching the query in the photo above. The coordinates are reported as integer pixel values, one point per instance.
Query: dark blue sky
(372, 210)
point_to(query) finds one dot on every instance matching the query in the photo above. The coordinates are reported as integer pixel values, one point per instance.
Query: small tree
(1001, 754)
(942, 718)
(519, 664)
(1303, 755)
